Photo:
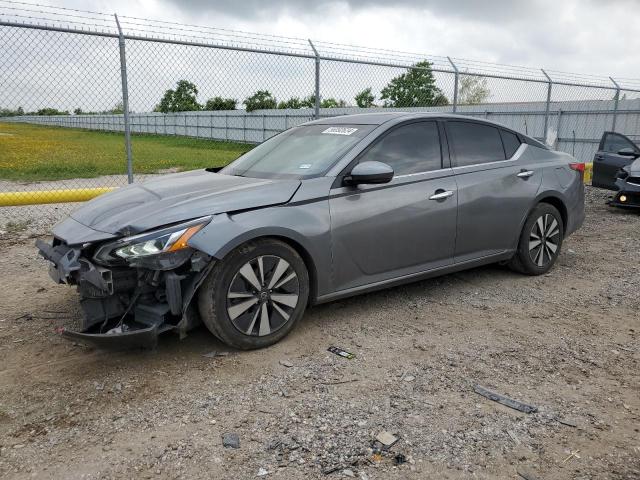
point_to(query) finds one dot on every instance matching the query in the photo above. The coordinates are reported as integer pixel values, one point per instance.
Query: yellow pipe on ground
(38, 197)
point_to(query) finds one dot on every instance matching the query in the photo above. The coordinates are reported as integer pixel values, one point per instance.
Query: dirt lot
(566, 342)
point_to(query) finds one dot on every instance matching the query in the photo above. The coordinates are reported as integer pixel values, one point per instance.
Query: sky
(582, 36)
(586, 37)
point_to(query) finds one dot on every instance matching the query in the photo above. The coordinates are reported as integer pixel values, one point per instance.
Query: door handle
(441, 194)
(599, 157)
(525, 173)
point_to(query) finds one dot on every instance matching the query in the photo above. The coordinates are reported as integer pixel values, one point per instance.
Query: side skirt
(414, 277)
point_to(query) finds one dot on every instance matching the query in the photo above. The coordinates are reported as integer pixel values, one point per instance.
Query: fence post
(546, 112)
(615, 104)
(125, 102)
(316, 113)
(455, 85)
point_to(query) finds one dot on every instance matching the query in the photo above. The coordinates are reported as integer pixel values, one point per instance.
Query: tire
(242, 304)
(535, 254)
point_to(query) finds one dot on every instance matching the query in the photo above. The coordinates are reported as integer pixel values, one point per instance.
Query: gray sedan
(326, 210)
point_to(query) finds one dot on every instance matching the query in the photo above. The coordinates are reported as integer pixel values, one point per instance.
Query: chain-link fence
(90, 101)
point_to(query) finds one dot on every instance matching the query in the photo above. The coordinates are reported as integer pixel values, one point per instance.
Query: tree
(415, 88)
(7, 112)
(219, 103)
(365, 98)
(332, 103)
(260, 100)
(118, 108)
(473, 90)
(310, 102)
(182, 99)
(51, 111)
(293, 102)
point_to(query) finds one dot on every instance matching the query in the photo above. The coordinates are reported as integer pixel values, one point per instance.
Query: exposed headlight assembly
(156, 242)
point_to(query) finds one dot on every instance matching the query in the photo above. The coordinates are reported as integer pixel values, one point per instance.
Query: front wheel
(540, 241)
(255, 295)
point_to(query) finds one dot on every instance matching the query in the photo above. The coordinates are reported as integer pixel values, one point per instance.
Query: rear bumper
(576, 213)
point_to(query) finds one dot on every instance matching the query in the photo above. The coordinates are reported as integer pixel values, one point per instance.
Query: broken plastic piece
(506, 401)
(340, 352)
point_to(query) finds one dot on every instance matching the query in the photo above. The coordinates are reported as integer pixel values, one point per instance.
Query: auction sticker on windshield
(340, 130)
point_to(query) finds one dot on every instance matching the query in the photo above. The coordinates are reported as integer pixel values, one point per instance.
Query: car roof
(379, 118)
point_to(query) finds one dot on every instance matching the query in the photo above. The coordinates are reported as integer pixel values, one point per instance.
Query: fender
(557, 199)
(307, 227)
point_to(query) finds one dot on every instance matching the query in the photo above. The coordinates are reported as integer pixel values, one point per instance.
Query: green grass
(36, 152)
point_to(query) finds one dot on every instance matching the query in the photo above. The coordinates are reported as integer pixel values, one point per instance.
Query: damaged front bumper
(628, 194)
(128, 306)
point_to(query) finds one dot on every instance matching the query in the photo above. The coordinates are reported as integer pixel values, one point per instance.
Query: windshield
(300, 152)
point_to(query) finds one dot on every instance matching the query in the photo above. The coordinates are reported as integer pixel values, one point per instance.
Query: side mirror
(628, 152)
(370, 173)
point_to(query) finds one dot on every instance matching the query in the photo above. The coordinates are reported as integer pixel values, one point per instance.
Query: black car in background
(616, 166)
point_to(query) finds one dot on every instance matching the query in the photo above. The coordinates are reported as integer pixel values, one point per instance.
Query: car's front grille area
(633, 180)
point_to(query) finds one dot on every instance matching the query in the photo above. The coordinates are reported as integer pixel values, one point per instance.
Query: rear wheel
(255, 295)
(540, 241)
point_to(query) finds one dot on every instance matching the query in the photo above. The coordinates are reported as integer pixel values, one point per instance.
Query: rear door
(607, 162)
(408, 225)
(495, 190)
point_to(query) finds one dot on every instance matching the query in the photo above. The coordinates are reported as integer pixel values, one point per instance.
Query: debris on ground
(340, 352)
(262, 472)
(399, 459)
(572, 454)
(526, 474)
(286, 363)
(566, 421)
(387, 439)
(506, 401)
(231, 440)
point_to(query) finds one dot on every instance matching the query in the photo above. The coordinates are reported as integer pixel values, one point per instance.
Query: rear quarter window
(510, 141)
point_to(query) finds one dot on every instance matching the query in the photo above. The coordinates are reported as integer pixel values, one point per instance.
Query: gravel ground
(566, 342)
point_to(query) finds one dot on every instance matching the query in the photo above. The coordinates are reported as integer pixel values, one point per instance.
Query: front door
(607, 162)
(381, 232)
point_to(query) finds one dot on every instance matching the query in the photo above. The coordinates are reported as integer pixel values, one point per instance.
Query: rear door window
(474, 143)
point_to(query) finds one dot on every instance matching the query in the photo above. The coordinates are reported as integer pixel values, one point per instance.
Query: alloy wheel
(263, 295)
(544, 239)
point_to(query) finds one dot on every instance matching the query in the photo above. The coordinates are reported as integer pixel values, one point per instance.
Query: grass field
(36, 152)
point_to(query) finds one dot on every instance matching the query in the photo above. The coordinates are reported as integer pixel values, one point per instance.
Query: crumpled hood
(182, 196)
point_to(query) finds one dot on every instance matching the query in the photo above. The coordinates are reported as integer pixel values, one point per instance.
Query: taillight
(578, 167)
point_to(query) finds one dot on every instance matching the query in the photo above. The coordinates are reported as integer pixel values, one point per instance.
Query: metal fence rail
(89, 70)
